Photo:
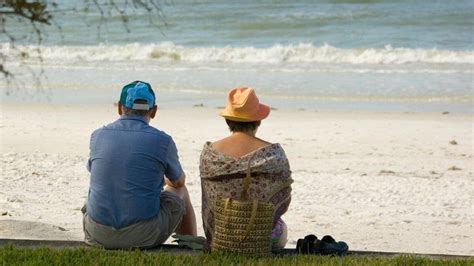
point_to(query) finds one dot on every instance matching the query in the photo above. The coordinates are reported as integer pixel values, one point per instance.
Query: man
(130, 162)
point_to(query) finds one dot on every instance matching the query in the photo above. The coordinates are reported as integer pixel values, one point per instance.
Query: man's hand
(178, 183)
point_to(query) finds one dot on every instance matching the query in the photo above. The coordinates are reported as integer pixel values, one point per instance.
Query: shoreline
(179, 100)
(377, 180)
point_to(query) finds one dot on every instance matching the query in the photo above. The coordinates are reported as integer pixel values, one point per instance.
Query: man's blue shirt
(128, 159)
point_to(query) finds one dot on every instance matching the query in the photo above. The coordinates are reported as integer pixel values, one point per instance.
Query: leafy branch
(38, 15)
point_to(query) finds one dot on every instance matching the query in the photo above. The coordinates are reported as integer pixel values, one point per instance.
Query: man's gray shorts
(147, 233)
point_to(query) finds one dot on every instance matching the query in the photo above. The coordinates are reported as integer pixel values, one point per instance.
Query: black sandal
(329, 246)
(326, 246)
(308, 245)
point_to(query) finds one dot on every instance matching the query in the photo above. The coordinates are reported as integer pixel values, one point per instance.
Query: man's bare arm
(178, 183)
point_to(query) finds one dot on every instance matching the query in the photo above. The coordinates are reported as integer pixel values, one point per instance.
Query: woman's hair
(235, 126)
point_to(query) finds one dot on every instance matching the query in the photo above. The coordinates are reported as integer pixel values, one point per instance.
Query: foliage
(9, 255)
(38, 15)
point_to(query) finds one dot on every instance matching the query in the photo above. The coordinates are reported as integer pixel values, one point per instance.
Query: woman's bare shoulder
(238, 146)
(263, 142)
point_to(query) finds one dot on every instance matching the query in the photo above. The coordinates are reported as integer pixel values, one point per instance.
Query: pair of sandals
(326, 246)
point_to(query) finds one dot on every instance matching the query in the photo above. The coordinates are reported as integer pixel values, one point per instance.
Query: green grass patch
(10, 255)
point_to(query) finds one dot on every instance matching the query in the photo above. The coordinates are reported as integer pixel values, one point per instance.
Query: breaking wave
(276, 54)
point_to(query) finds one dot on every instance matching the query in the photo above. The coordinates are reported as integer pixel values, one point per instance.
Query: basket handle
(253, 216)
(251, 222)
(244, 194)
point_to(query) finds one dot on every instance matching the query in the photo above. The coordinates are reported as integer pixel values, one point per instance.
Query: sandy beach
(382, 181)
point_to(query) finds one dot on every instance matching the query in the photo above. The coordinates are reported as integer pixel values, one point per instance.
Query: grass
(10, 255)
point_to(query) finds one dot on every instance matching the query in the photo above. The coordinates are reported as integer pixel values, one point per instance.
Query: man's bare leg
(188, 223)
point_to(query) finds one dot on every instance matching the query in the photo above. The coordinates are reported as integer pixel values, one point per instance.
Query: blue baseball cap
(137, 90)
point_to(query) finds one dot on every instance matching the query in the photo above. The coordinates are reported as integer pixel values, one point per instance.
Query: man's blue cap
(137, 90)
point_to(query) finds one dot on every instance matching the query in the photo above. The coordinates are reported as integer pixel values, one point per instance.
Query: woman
(224, 163)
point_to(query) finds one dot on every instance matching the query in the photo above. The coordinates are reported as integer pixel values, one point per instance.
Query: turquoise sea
(342, 54)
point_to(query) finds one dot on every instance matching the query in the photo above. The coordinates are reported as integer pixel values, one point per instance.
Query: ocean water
(378, 55)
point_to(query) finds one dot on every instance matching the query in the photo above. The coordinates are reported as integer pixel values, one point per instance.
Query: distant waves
(277, 54)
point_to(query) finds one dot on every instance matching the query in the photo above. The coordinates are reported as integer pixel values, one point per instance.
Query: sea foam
(276, 54)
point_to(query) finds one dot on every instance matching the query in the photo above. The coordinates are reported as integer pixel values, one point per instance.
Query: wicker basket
(243, 227)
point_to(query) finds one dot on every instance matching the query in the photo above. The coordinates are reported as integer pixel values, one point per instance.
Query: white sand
(379, 181)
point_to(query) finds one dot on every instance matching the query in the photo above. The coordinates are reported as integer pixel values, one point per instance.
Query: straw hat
(243, 106)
